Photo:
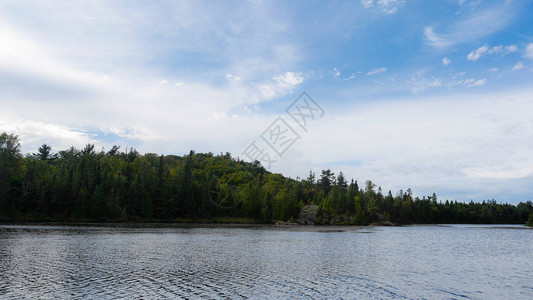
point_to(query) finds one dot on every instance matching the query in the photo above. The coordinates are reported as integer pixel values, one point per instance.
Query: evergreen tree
(326, 180)
(85, 185)
(44, 153)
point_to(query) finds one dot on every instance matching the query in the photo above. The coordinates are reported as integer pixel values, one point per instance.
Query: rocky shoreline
(313, 215)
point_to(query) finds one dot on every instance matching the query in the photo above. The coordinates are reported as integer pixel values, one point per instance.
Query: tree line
(90, 185)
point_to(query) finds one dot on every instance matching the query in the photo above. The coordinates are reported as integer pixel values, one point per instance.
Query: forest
(87, 185)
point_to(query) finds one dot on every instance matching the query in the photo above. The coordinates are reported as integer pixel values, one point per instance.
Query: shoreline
(226, 225)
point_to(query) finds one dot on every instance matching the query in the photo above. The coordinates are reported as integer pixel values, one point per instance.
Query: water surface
(415, 262)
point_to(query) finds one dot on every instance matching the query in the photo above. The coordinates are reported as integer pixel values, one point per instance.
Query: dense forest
(89, 185)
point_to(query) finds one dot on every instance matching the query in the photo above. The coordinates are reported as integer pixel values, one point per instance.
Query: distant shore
(277, 225)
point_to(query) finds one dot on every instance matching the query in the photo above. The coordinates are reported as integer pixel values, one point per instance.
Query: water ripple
(48, 262)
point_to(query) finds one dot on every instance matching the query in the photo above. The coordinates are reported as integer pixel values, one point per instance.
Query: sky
(432, 96)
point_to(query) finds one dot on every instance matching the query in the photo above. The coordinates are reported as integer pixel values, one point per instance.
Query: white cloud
(437, 83)
(436, 40)
(21, 56)
(479, 82)
(337, 72)
(420, 83)
(141, 108)
(511, 48)
(472, 82)
(67, 80)
(423, 143)
(289, 79)
(473, 26)
(502, 49)
(504, 172)
(34, 133)
(367, 3)
(476, 54)
(529, 51)
(233, 77)
(519, 66)
(386, 6)
(279, 85)
(485, 49)
(497, 49)
(494, 69)
(389, 6)
(376, 71)
(446, 61)
(349, 78)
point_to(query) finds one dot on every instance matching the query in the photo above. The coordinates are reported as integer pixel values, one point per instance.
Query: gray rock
(308, 215)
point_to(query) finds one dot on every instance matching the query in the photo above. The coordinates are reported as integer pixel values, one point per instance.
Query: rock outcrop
(308, 215)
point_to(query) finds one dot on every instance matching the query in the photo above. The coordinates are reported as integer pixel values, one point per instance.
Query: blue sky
(433, 96)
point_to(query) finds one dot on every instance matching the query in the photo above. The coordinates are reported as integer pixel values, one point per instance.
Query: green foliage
(44, 153)
(10, 174)
(86, 185)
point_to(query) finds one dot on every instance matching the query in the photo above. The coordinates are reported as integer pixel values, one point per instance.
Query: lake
(412, 262)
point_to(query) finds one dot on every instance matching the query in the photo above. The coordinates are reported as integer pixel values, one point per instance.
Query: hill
(126, 186)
